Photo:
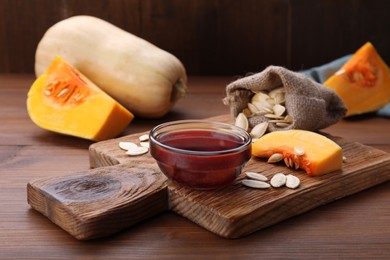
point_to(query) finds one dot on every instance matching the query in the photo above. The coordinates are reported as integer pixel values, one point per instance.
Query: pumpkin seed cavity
(67, 92)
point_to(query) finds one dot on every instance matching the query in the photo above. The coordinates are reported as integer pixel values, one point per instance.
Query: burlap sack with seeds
(311, 105)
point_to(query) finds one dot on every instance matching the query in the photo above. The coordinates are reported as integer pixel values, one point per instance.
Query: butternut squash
(142, 77)
(63, 100)
(300, 149)
(363, 82)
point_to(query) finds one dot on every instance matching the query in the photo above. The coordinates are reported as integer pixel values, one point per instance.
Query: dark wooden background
(211, 37)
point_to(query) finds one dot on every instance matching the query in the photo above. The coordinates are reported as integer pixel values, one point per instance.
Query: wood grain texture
(211, 37)
(234, 211)
(102, 201)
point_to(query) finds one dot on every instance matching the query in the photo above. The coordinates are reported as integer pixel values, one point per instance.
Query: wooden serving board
(122, 190)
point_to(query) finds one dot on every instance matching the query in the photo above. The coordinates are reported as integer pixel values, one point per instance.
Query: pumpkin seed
(256, 176)
(242, 121)
(280, 98)
(291, 162)
(63, 92)
(273, 116)
(276, 157)
(127, 145)
(278, 180)
(277, 91)
(296, 164)
(263, 106)
(288, 119)
(139, 150)
(145, 144)
(253, 108)
(259, 97)
(76, 97)
(256, 184)
(270, 101)
(292, 181)
(299, 151)
(259, 130)
(264, 110)
(357, 76)
(278, 109)
(282, 124)
(276, 121)
(144, 138)
(287, 162)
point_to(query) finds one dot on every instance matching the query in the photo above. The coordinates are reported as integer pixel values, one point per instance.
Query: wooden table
(352, 227)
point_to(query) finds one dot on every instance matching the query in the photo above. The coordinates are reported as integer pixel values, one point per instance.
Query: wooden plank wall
(211, 37)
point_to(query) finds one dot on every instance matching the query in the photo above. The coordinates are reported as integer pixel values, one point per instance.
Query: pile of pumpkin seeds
(270, 104)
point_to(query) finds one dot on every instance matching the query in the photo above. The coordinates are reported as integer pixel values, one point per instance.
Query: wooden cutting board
(121, 190)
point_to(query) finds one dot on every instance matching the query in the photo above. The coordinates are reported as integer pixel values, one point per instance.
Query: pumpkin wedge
(363, 82)
(63, 100)
(300, 149)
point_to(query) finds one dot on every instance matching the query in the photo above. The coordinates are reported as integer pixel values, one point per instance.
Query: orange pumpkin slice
(301, 149)
(363, 82)
(63, 100)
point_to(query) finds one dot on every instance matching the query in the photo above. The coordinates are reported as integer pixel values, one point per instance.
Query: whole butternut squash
(142, 77)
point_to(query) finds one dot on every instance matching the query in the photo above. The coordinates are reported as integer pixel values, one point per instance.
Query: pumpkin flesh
(64, 101)
(363, 82)
(321, 155)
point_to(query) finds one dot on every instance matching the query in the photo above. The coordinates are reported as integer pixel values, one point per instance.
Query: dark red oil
(191, 166)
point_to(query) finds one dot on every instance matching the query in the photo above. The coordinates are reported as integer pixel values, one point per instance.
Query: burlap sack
(312, 105)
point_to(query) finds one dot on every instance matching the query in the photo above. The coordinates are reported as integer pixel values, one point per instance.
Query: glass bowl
(200, 154)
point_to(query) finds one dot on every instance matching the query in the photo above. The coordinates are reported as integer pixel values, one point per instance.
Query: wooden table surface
(354, 227)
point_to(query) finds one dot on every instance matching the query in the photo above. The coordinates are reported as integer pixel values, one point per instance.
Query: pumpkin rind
(63, 100)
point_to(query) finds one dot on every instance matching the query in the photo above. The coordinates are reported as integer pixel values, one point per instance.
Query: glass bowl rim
(226, 126)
